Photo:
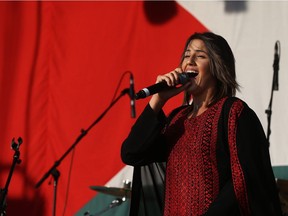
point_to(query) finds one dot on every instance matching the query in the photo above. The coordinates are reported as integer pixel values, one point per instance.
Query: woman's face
(196, 59)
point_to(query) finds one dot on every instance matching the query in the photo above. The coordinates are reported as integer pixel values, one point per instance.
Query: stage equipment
(16, 160)
(158, 87)
(123, 193)
(115, 191)
(275, 86)
(53, 170)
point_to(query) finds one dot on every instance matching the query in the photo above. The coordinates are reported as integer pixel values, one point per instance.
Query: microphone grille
(184, 77)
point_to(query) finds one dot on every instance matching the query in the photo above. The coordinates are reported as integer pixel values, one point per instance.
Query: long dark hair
(222, 64)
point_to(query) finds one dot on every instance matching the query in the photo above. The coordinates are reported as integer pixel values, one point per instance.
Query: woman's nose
(191, 61)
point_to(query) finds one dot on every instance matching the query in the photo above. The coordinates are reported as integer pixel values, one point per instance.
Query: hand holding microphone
(165, 82)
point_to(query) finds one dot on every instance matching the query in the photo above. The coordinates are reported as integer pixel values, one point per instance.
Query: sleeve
(145, 143)
(252, 175)
(252, 188)
(147, 198)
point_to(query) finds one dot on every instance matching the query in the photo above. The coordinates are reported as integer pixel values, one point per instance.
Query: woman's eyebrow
(196, 50)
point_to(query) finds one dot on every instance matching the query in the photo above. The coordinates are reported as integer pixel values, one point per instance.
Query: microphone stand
(53, 170)
(269, 113)
(15, 146)
(275, 87)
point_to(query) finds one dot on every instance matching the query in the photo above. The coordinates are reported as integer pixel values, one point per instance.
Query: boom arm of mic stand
(79, 138)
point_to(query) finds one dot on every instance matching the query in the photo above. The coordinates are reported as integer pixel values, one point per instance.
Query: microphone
(276, 67)
(132, 96)
(158, 87)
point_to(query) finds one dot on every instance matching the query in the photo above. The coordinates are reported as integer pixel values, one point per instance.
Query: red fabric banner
(60, 63)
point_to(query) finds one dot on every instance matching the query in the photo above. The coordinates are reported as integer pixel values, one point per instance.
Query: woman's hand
(172, 79)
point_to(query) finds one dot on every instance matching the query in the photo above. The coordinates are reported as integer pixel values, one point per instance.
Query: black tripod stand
(15, 146)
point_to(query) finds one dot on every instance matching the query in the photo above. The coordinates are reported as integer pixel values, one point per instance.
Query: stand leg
(55, 174)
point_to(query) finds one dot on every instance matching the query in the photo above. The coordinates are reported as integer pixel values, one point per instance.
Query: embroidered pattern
(237, 172)
(192, 179)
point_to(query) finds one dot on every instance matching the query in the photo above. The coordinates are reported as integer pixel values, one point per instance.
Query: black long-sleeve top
(231, 173)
